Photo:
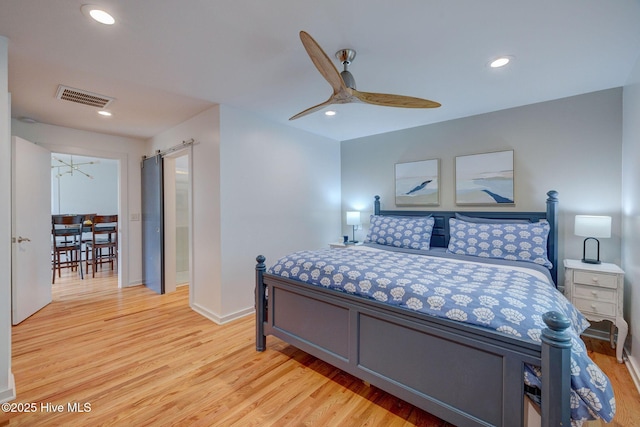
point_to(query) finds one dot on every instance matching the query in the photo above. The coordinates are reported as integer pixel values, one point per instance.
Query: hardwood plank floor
(627, 396)
(131, 357)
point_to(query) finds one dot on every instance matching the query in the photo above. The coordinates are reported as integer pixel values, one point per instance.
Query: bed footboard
(466, 375)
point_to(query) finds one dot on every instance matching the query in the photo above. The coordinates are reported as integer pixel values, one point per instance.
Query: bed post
(552, 217)
(376, 206)
(261, 340)
(556, 371)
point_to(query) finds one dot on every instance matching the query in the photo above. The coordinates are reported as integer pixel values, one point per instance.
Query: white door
(31, 229)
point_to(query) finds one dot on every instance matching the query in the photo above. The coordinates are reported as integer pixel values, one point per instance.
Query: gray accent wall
(572, 145)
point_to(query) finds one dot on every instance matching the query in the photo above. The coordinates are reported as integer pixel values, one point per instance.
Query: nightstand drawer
(595, 293)
(596, 307)
(596, 279)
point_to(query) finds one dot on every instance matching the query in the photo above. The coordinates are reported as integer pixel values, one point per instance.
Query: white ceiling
(165, 61)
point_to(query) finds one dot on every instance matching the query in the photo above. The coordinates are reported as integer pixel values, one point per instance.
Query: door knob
(23, 239)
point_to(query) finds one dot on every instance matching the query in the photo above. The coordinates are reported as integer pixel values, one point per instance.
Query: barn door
(153, 224)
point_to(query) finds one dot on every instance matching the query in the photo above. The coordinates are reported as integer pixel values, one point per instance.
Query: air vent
(83, 97)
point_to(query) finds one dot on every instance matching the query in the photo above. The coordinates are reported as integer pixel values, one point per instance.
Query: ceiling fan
(344, 85)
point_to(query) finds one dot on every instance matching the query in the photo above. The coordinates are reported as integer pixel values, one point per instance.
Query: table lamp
(353, 219)
(591, 227)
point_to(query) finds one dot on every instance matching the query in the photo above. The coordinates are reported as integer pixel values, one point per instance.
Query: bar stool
(104, 230)
(66, 233)
(86, 230)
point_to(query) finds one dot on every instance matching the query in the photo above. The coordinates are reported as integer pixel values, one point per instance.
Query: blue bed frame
(365, 338)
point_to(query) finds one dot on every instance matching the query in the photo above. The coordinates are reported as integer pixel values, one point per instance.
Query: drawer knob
(593, 306)
(594, 293)
(595, 279)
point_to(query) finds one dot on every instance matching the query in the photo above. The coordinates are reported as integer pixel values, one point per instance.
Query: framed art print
(485, 179)
(418, 183)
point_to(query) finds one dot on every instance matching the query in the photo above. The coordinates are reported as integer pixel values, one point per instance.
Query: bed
(405, 317)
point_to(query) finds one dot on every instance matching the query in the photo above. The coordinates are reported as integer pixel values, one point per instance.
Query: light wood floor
(136, 359)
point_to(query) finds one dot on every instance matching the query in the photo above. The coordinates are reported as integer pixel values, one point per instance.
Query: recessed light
(98, 14)
(330, 113)
(500, 61)
(104, 113)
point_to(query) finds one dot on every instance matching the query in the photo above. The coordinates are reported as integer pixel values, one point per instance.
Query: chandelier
(70, 167)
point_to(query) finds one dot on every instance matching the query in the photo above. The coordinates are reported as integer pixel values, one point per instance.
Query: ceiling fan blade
(314, 108)
(387, 100)
(342, 94)
(322, 62)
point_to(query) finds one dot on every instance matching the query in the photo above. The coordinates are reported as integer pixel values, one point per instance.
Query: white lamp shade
(592, 226)
(353, 218)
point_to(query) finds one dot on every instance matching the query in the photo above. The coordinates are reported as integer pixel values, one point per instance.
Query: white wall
(280, 192)
(205, 287)
(631, 212)
(7, 386)
(572, 145)
(78, 193)
(258, 188)
(128, 152)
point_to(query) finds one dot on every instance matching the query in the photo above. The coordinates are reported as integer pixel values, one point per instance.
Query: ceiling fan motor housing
(345, 56)
(348, 79)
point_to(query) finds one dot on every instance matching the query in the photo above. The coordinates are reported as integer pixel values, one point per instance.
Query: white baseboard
(135, 283)
(10, 393)
(633, 366)
(221, 320)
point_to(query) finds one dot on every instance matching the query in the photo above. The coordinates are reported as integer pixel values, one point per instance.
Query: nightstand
(597, 291)
(340, 245)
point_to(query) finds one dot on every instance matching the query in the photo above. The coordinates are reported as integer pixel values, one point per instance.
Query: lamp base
(584, 252)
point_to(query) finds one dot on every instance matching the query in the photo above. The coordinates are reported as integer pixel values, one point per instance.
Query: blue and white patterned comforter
(507, 299)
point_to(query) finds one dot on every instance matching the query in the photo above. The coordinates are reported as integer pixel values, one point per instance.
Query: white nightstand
(340, 245)
(597, 290)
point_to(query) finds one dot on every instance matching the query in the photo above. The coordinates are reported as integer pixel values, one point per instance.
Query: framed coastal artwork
(418, 183)
(485, 179)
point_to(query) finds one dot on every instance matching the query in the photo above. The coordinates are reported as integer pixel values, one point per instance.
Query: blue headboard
(440, 235)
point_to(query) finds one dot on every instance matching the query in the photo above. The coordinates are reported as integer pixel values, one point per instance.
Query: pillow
(480, 220)
(401, 231)
(516, 242)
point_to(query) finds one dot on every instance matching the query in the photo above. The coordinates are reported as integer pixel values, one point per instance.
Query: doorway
(72, 184)
(119, 161)
(177, 219)
(182, 220)
(84, 185)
